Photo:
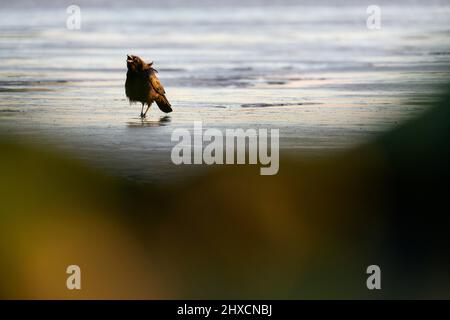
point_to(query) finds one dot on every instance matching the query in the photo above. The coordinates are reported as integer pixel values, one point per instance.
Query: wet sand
(320, 77)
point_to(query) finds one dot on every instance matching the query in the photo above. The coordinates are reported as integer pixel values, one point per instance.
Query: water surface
(312, 69)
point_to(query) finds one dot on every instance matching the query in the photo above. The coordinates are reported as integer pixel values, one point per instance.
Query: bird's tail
(164, 104)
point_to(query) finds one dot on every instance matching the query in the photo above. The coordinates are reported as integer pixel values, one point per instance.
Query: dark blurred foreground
(308, 232)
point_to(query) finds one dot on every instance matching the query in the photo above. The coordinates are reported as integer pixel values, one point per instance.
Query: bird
(142, 85)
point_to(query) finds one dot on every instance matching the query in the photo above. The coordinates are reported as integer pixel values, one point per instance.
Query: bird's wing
(156, 84)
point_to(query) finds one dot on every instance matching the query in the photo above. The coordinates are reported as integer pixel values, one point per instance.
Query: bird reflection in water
(139, 123)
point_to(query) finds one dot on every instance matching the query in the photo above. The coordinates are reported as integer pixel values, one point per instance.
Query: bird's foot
(142, 115)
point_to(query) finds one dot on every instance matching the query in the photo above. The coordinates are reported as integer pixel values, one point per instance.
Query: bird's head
(136, 64)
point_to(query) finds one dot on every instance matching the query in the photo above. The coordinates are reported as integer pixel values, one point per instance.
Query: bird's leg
(142, 112)
(148, 107)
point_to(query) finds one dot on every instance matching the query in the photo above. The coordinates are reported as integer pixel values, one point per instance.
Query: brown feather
(142, 85)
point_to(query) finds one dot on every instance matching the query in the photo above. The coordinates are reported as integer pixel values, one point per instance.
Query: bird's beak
(129, 58)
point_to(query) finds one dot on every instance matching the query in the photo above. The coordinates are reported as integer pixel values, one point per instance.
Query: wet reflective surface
(312, 70)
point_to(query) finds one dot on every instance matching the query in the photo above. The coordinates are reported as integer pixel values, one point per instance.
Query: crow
(142, 85)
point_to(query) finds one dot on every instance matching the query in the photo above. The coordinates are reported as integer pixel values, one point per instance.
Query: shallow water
(312, 69)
